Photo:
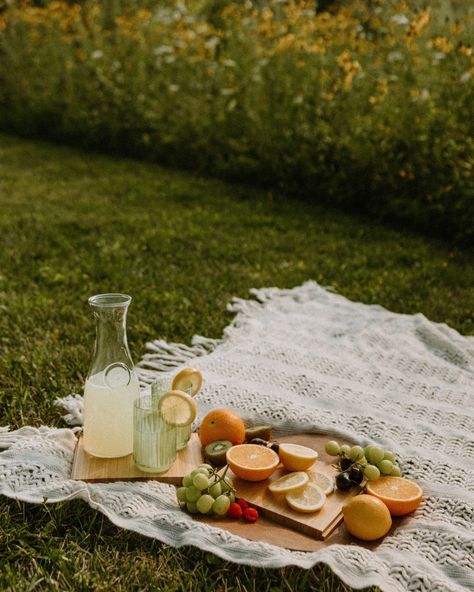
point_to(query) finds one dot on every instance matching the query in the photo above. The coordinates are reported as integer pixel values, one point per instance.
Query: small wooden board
(103, 470)
(317, 525)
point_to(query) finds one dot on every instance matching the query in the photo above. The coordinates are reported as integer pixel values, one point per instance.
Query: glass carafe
(111, 384)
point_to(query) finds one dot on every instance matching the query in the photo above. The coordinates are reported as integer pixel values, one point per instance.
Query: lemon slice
(177, 408)
(322, 481)
(188, 377)
(297, 458)
(289, 483)
(310, 499)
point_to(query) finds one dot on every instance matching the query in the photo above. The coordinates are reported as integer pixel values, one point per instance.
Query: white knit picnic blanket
(307, 360)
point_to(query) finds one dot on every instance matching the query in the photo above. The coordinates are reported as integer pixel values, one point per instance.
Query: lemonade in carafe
(111, 384)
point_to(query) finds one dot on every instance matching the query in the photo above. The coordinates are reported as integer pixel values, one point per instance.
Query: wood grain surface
(104, 470)
(279, 525)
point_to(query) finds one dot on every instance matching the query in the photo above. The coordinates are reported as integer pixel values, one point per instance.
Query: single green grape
(376, 455)
(205, 503)
(225, 485)
(192, 494)
(356, 452)
(389, 456)
(215, 490)
(181, 494)
(367, 451)
(332, 448)
(386, 467)
(200, 481)
(187, 480)
(221, 505)
(345, 449)
(371, 472)
(396, 471)
(192, 507)
(206, 466)
(231, 496)
(198, 471)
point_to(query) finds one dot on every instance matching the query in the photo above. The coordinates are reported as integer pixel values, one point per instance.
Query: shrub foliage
(367, 106)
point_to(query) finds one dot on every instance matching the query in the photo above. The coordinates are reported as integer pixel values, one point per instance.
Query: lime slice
(309, 499)
(186, 378)
(177, 408)
(322, 481)
(289, 483)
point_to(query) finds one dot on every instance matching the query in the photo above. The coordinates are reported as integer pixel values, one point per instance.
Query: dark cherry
(345, 463)
(356, 475)
(259, 441)
(275, 447)
(343, 482)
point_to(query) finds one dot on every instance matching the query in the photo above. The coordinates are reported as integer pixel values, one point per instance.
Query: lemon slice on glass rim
(177, 408)
(310, 499)
(188, 378)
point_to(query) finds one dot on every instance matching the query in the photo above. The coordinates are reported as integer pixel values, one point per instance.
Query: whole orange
(222, 424)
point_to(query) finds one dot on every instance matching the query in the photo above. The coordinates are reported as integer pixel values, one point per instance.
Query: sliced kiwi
(215, 452)
(264, 432)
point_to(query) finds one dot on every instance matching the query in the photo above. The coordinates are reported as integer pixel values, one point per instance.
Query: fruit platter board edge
(317, 525)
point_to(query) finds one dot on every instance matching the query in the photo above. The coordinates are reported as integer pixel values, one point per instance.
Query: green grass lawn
(74, 224)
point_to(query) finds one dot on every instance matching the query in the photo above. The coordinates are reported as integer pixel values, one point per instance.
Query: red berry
(243, 504)
(236, 442)
(251, 515)
(234, 511)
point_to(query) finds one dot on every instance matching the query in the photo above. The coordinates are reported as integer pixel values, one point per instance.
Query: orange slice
(297, 458)
(310, 499)
(401, 496)
(188, 378)
(177, 408)
(252, 462)
(289, 483)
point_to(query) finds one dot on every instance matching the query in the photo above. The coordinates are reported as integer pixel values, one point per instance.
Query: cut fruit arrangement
(252, 456)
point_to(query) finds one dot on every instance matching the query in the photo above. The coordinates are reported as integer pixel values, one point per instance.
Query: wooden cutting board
(317, 525)
(104, 470)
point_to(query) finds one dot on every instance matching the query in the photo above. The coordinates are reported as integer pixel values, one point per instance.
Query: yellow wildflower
(442, 44)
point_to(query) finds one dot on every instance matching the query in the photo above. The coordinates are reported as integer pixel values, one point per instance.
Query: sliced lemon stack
(290, 483)
(309, 499)
(177, 408)
(323, 481)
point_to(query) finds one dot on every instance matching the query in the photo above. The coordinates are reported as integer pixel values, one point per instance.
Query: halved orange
(252, 462)
(401, 496)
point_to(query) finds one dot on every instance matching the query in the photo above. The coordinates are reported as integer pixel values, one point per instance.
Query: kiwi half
(215, 452)
(264, 432)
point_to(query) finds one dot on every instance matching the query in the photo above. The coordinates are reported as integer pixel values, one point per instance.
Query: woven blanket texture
(306, 360)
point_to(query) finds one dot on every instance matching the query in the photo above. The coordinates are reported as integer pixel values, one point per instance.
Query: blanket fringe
(168, 356)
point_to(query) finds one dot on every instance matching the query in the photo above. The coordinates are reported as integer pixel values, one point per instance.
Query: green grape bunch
(358, 465)
(205, 491)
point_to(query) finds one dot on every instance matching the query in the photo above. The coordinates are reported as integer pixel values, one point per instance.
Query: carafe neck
(111, 346)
